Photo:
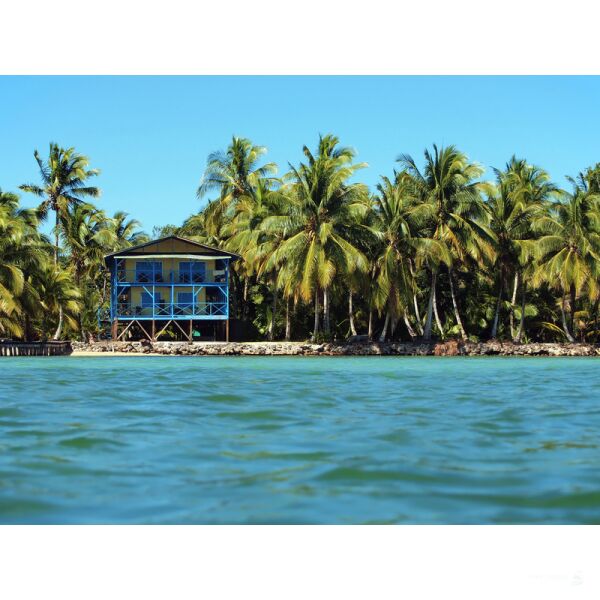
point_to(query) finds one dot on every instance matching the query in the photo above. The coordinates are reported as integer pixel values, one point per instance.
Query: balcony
(164, 310)
(176, 277)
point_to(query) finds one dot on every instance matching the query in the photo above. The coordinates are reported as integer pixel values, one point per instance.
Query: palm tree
(64, 176)
(510, 216)
(529, 188)
(127, 232)
(59, 295)
(447, 186)
(246, 235)
(399, 226)
(320, 222)
(568, 250)
(232, 174)
(88, 235)
(22, 252)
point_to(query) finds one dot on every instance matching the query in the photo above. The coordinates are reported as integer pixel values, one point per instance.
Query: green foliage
(432, 251)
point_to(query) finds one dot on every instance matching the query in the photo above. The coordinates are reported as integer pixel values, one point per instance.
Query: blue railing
(166, 310)
(169, 277)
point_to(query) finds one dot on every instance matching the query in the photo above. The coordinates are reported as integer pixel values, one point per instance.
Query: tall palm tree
(568, 250)
(528, 185)
(448, 186)
(510, 218)
(246, 235)
(320, 223)
(399, 224)
(88, 236)
(64, 178)
(233, 173)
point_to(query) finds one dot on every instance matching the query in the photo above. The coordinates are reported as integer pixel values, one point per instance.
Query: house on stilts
(169, 288)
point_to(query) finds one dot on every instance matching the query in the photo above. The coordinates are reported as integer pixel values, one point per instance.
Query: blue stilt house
(170, 287)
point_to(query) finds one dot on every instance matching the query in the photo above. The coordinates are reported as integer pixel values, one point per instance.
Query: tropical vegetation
(436, 250)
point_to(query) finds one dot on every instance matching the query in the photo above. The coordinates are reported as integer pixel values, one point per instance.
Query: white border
(304, 563)
(307, 37)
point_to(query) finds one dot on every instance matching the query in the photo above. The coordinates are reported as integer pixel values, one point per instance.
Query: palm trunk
(572, 302)
(522, 319)
(385, 327)
(56, 237)
(326, 325)
(411, 331)
(351, 314)
(419, 323)
(273, 312)
(245, 299)
(370, 330)
(564, 320)
(58, 331)
(496, 315)
(429, 318)
(316, 327)
(463, 333)
(60, 308)
(435, 312)
(513, 302)
(288, 322)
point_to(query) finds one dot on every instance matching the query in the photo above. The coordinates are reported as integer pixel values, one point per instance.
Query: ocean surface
(299, 440)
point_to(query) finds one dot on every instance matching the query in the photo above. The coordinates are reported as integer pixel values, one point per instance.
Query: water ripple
(299, 440)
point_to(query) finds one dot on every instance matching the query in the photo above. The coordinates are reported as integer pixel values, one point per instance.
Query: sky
(150, 136)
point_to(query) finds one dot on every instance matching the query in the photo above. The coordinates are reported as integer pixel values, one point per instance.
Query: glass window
(147, 299)
(192, 272)
(185, 299)
(148, 271)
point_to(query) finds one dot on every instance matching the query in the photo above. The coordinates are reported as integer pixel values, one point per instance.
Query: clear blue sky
(150, 136)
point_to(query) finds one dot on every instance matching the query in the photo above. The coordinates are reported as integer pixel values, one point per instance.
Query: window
(148, 271)
(185, 299)
(147, 299)
(192, 272)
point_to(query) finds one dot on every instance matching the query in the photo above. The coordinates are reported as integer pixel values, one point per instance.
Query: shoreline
(448, 348)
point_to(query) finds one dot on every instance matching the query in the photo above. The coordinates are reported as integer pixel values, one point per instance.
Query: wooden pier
(50, 348)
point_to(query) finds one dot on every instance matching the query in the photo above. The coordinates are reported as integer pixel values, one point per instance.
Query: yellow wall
(169, 264)
(136, 293)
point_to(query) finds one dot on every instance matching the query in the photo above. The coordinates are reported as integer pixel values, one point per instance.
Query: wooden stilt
(227, 330)
(125, 330)
(114, 331)
(180, 328)
(153, 330)
(191, 330)
(145, 330)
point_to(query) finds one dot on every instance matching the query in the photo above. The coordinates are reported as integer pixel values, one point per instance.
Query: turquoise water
(299, 440)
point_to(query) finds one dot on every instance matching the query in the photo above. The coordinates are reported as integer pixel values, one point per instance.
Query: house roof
(193, 247)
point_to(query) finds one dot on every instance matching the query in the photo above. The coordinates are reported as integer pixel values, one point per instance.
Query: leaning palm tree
(448, 186)
(319, 224)
(60, 297)
(568, 250)
(64, 178)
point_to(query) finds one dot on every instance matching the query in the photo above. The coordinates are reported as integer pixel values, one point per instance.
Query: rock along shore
(449, 348)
